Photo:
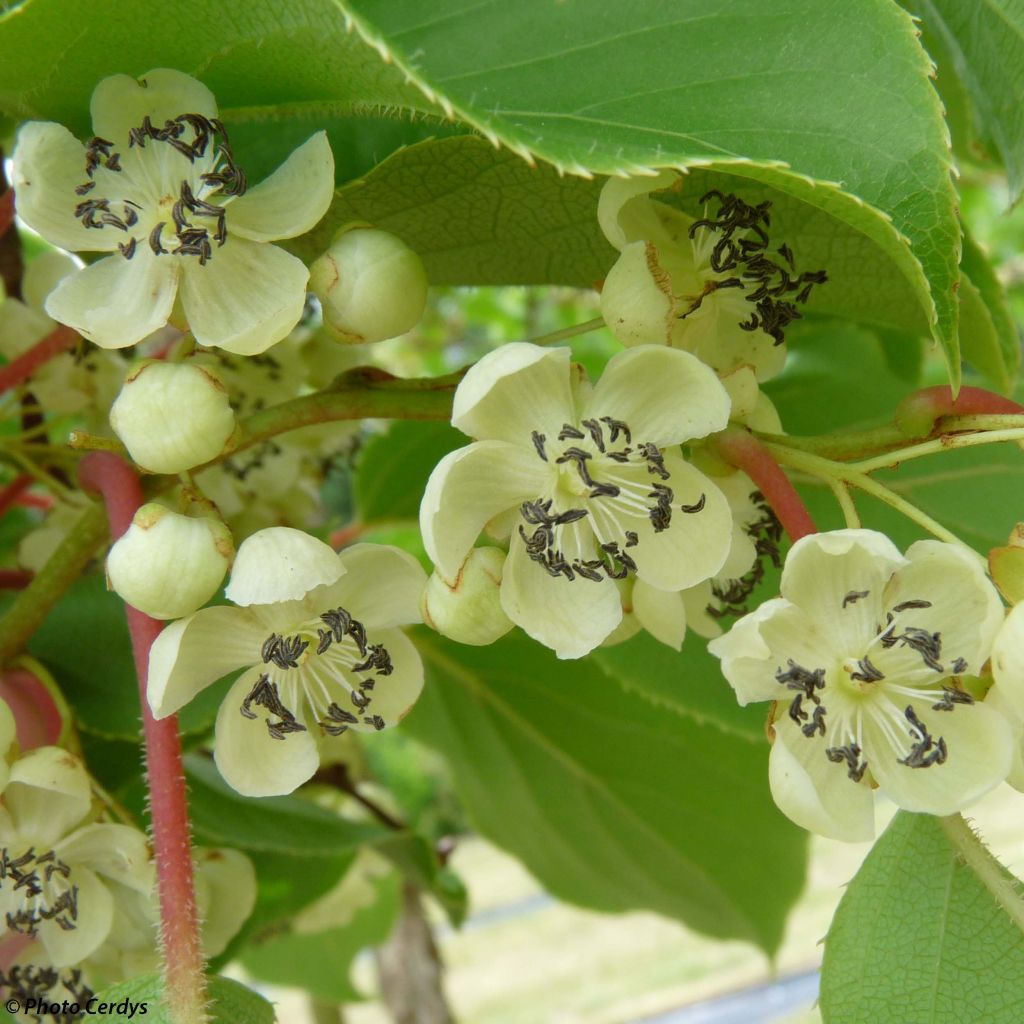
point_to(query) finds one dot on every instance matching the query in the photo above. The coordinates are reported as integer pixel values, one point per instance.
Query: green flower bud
(371, 286)
(168, 565)
(469, 609)
(172, 416)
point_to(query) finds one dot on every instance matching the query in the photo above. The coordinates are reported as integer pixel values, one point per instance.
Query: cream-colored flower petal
(468, 488)
(965, 609)
(693, 547)
(624, 211)
(281, 564)
(661, 613)
(42, 275)
(247, 297)
(192, 653)
(637, 299)
(382, 587)
(838, 579)
(95, 915)
(979, 744)
(748, 663)
(1007, 705)
(47, 794)
(251, 761)
(665, 396)
(816, 793)
(513, 391)
(713, 334)
(1008, 657)
(117, 302)
(394, 695)
(225, 894)
(570, 616)
(696, 601)
(20, 328)
(292, 200)
(116, 851)
(120, 102)
(49, 163)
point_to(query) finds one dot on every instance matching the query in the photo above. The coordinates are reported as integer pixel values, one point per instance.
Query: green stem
(569, 332)
(841, 490)
(938, 444)
(33, 604)
(982, 421)
(359, 394)
(977, 856)
(829, 471)
(852, 445)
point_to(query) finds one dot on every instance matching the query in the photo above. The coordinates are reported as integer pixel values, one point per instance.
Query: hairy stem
(756, 460)
(358, 394)
(184, 982)
(937, 444)
(977, 856)
(65, 565)
(17, 370)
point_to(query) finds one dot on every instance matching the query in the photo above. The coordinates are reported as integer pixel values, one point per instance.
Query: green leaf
(285, 884)
(773, 94)
(230, 1002)
(979, 341)
(918, 937)
(394, 467)
(85, 643)
(609, 801)
(837, 376)
(284, 824)
(417, 860)
(977, 266)
(319, 962)
(982, 44)
(689, 683)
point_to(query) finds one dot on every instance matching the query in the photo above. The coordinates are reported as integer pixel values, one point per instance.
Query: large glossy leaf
(981, 44)
(828, 102)
(918, 937)
(611, 801)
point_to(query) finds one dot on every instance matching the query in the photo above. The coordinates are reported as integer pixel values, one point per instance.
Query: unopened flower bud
(172, 416)
(371, 286)
(469, 610)
(168, 565)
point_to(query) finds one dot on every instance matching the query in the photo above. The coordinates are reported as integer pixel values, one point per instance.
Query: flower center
(576, 531)
(44, 885)
(316, 668)
(735, 242)
(182, 216)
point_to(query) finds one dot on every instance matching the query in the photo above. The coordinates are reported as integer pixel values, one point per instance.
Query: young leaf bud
(371, 286)
(172, 416)
(469, 610)
(168, 565)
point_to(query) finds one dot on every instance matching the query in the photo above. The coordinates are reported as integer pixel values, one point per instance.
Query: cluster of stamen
(614, 561)
(33, 986)
(191, 135)
(925, 749)
(33, 875)
(731, 595)
(287, 653)
(743, 249)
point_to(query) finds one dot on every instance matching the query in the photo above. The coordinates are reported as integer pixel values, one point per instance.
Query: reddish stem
(6, 211)
(168, 804)
(918, 413)
(17, 370)
(13, 491)
(744, 451)
(15, 579)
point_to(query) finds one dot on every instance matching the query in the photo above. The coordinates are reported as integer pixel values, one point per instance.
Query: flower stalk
(184, 982)
(20, 369)
(744, 451)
